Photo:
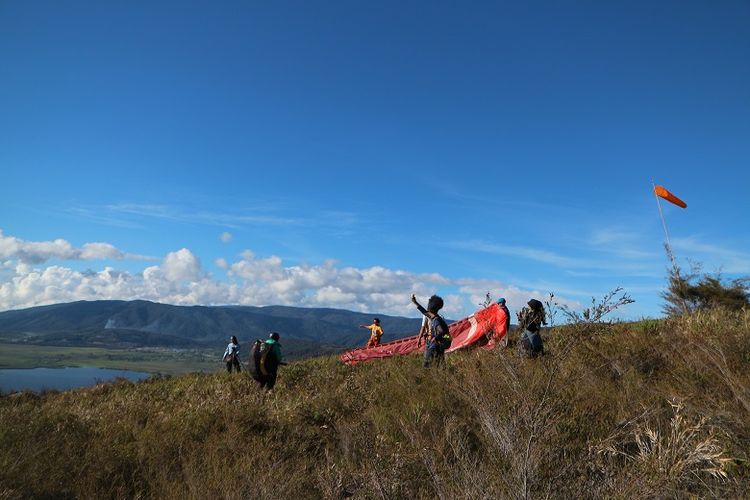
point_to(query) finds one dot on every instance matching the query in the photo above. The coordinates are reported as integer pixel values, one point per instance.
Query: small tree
(487, 300)
(699, 291)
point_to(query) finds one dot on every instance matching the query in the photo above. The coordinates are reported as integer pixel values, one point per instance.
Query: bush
(695, 291)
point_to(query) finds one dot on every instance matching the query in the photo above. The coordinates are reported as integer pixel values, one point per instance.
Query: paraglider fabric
(485, 328)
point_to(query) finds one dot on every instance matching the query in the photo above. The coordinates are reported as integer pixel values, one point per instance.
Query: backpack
(445, 341)
(266, 364)
(255, 360)
(531, 320)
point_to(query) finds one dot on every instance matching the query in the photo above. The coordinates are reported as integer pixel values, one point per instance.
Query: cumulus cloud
(516, 298)
(250, 280)
(38, 252)
(182, 265)
(179, 279)
(226, 237)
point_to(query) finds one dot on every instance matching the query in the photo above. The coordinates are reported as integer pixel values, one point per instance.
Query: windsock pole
(664, 225)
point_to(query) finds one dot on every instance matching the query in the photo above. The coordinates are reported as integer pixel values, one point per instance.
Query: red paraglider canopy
(485, 328)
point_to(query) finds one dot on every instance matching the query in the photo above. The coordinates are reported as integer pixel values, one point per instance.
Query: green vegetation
(658, 409)
(151, 360)
(696, 291)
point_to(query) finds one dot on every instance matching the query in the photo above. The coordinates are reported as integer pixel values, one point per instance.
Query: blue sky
(351, 153)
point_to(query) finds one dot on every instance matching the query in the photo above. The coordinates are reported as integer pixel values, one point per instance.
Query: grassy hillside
(652, 409)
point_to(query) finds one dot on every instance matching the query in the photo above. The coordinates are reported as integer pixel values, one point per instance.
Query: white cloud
(716, 257)
(613, 256)
(226, 237)
(517, 251)
(177, 214)
(250, 280)
(515, 297)
(182, 265)
(38, 252)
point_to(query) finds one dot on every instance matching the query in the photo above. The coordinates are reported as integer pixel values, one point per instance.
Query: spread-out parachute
(663, 193)
(485, 328)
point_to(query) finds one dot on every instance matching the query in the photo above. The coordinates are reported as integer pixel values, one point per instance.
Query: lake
(37, 379)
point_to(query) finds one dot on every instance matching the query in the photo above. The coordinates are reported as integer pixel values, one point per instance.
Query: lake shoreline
(41, 379)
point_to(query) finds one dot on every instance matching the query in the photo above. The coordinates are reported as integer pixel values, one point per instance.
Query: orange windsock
(663, 193)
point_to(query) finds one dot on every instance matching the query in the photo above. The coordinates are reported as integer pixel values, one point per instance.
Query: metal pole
(664, 224)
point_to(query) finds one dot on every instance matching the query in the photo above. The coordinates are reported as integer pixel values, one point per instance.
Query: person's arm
(420, 308)
(423, 330)
(277, 350)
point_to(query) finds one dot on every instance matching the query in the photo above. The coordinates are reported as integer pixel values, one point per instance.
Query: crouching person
(530, 321)
(266, 361)
(438, 337)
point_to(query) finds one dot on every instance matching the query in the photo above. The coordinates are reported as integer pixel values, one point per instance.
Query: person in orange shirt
(375, 332)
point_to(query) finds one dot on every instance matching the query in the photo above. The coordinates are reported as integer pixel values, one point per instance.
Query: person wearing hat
(501, 305)
(270, 362)
(530, 321)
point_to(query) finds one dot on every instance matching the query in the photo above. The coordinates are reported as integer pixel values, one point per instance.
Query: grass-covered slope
(652, 409)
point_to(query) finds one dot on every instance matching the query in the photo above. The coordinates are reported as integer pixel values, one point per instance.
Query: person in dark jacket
(501, 305)
(530, 321)
(439, 338)
(269, 364)
(232, 355)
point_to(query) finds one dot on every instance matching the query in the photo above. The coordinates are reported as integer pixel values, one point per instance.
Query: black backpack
(255, 359)
(445, 340)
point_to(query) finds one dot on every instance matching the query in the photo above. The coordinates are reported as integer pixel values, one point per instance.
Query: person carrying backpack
(232, 355)
(266, 361)
(439, 338)
(530, 321)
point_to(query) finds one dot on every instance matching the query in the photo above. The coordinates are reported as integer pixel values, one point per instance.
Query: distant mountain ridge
(144, 323)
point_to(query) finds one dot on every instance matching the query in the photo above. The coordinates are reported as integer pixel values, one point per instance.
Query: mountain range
(139, 323)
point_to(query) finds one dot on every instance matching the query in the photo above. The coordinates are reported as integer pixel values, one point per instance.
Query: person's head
(434, 304)
(535, 305)
(376, 321)
(274, 336)
(233, 339)
(501, 301)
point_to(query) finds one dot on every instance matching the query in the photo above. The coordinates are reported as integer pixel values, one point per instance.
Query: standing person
(268, 361)
(232, 355)
(375, 332)
(439, 337)
(501, 304)
(530, 321)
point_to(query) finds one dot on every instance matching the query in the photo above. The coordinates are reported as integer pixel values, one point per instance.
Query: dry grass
(651, 409)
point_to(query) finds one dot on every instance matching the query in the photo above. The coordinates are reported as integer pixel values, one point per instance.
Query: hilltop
(646, 409)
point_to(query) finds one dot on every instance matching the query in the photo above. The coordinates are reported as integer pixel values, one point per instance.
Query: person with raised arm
(439, 338)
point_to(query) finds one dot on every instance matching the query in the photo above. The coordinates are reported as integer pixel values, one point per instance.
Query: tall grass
(652, 409)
